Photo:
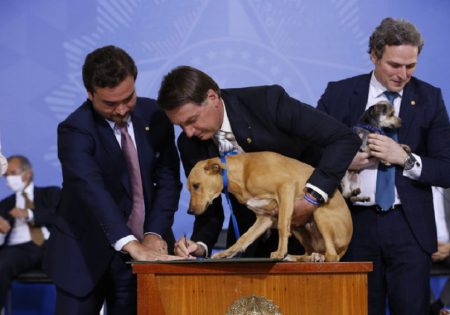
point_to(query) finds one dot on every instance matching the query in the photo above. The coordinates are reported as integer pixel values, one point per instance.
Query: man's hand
(155, 243)
(187, 248)
(19, 213)
(386, 149)
(303, 211)
(5, 227)
(140, 252)
(361, 161)
(442, 252)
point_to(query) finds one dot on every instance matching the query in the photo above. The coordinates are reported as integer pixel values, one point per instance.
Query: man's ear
(212, 168)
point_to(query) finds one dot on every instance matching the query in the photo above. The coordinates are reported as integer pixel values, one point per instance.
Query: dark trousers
(401, 268)
(15, 260)
(117, 288)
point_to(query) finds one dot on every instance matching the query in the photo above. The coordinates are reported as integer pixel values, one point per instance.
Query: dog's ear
(212, 168)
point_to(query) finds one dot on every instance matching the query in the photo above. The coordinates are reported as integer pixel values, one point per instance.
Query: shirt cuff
(319, 191)
(123, 241)
(416, 170)
(30, 218)
(205, 247)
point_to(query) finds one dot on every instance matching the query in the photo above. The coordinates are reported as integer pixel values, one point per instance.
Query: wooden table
(207, 287)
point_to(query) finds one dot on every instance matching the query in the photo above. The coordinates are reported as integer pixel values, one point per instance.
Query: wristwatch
(409, 162)
(315, 195)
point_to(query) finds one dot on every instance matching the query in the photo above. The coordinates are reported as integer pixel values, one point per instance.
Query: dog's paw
(223, 254)
(277, 255)
(316, 257)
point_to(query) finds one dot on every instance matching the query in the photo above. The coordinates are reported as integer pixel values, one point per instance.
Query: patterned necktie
(385, 189)
(35, 231)
(136, 218)
(225, 146)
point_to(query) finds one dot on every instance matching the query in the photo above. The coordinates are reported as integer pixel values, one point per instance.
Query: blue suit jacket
(45, 202)
(96, 197)
(265, 118)
(425, 128)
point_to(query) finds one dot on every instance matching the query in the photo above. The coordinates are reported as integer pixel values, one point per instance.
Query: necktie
(225, 145)
(35, 231)
(136, 218)
(385, 187)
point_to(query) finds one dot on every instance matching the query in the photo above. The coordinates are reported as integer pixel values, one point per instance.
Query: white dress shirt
(368, 176)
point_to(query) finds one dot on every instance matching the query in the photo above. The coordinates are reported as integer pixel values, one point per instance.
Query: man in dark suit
(398, 239)
(25, 219)
(119, 162)
(254, 119)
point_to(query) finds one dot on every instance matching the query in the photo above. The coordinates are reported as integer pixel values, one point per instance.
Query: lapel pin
(249, 140)
(413, 102)
(147, 128)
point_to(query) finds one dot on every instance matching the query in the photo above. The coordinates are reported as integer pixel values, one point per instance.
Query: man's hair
(24, 163)
(392, 32)
(183, 85)
(107, 67)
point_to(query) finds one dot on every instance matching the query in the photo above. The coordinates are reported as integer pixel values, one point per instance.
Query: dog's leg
(286, 198)
(307, 241)
(262, 224)
(327, 232)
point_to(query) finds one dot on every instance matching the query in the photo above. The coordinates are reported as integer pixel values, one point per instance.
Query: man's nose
(189, 131)
(122, 109)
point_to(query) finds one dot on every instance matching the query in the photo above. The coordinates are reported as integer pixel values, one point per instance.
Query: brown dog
(265, 181)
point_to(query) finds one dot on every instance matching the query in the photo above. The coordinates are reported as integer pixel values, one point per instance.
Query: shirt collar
(377, 88)
(226, 122)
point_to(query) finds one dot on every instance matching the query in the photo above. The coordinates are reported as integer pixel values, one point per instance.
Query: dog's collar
(369, 128)
(223, 159)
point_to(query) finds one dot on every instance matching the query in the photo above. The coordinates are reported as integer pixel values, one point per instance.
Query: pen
(186, 242)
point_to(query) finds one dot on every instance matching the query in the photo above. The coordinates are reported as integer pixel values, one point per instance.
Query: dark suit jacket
(425, 128)
(96, 197)
(266, 119)
(45, 202)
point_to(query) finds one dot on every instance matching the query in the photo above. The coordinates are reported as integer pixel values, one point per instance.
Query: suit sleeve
(165, 180)
(46, 205)
(86, 200)
(436, 153)
(337, 142)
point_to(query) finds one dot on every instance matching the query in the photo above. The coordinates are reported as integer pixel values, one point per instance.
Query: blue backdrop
(300, 44)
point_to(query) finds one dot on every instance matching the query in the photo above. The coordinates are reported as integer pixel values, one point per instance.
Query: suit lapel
(145, 151)
(408, 108)
(110, 144)
(240, 126)
(358, 100)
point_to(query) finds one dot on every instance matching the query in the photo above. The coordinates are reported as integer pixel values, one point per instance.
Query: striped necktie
(136, 218)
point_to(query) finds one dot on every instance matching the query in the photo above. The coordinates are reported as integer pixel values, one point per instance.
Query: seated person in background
(24, 220)
(441, 258)
(252, 119)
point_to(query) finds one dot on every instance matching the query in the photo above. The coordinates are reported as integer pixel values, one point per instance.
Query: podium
(211, 287)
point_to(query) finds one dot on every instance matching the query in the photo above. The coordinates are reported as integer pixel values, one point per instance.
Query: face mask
(15, 183)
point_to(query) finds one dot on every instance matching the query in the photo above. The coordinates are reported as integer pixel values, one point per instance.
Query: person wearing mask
(120, 190)
(25, 219)
(396, 228)
(252, 119)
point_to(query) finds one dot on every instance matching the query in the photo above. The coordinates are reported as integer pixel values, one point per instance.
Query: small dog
(381, 115)
(264, 181)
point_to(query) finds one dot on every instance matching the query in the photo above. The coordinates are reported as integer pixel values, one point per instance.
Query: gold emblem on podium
(253, 305)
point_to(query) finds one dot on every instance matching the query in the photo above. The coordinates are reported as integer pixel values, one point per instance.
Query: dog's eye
(196, 186)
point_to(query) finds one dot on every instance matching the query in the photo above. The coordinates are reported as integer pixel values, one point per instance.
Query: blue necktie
(385, 189)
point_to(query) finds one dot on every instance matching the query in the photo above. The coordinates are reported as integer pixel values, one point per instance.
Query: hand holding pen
(187, 248)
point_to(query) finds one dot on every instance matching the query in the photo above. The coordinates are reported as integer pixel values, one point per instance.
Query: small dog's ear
(212, 168)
